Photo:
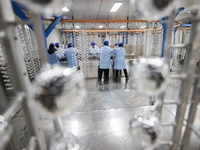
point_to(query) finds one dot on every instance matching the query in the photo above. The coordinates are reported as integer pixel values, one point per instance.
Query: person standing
(120, 63)
(116, 46)
(52, 56)
(71, 54)
(94, 50)
(59, 49)
(105, 62)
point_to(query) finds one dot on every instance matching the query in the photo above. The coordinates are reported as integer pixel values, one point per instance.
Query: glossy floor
(103, 122)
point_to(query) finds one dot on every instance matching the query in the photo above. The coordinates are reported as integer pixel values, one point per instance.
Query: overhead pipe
(135, 30)
(81, 20)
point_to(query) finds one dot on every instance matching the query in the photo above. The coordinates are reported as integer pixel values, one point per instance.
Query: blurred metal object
(150, 75)
(32, 144)
(154, 9)
(13, 106)
(39, 32)
(20, 76)
(48, 7)
(64, 142)
(187, 84)
(146, 130)
(58, 90)
(192, 115)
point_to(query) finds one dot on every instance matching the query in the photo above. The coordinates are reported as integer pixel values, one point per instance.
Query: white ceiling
(100, 9)
(96, 9)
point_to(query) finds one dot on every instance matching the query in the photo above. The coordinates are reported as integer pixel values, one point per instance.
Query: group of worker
(105, 60)
(55, 54)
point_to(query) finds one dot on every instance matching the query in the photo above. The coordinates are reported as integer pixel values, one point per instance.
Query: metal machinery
(22, 54)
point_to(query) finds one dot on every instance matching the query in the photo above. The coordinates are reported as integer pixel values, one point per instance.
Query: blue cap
(92, 43)
(105, 43)
(57, 44)
(120, 44)
(116, 44)
(51, 46)
(69, 45)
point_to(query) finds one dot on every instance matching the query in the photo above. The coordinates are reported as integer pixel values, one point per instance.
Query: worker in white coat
(120, 63)
(71, 54)
(52, 56)
(94, 50)
(105, 62)
(59, 49)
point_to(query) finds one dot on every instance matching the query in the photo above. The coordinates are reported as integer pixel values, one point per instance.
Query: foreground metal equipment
(50, 88)
(19, 74)
(187, 78)
(189, 96)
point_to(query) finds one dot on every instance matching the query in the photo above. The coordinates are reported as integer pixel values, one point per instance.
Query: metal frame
(52, 26)
(22, 82)
(187, 78)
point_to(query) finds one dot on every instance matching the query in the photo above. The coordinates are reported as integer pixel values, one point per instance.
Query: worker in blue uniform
(120, 63)
(105, 62)
(116, 46)
(71, 54)
(52, 56)
(59, 49)
(94, 50)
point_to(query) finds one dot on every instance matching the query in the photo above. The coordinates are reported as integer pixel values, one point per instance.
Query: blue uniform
(53, 58)
(119, 58)
(105, 62)
(61, 50)
(94, 51)
(71, 53)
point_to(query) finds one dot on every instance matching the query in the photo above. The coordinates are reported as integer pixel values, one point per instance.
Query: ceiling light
(65, 9)
(100, 27)
(122, 26)
(77, 27)
(116, 6)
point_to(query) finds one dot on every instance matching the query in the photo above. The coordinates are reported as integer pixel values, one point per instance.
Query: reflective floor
(103, 122)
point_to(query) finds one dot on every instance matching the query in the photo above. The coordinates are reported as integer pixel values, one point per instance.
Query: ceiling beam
(78, 20)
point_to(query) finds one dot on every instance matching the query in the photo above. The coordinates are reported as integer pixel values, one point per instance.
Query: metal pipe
(134, 30)
(167, 43)
(37, 24)
(89, 20)
(13, 106)
(191, 115)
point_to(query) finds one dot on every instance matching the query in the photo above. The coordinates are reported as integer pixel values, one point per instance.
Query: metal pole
(13, 107)
(189, 68)
(191, 116)
(39, 32)
(167, 43)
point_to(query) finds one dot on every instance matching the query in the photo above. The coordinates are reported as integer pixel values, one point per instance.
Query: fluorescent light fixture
(77, 27)
(116, 6)
(65, 9)
(122, 26)
(100, 27)
(142, 27)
